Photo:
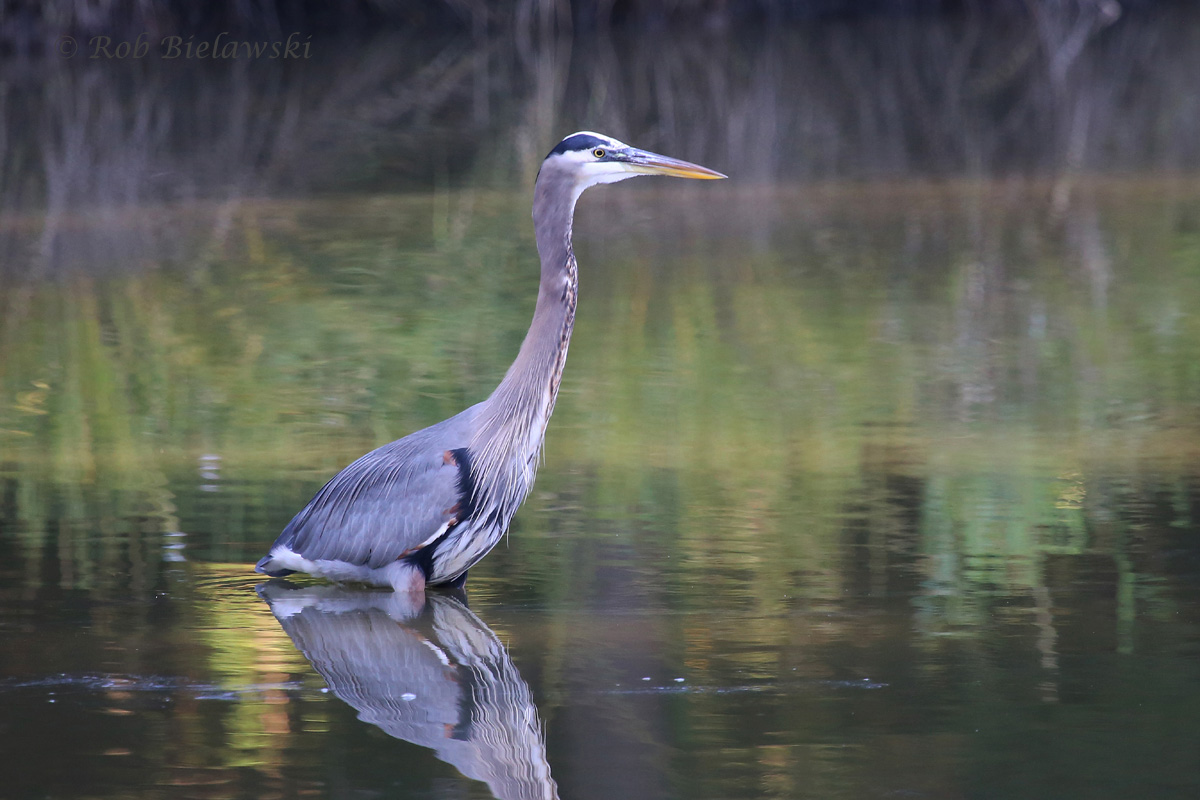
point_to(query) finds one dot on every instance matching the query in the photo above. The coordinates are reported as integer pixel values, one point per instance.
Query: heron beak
(644, 162)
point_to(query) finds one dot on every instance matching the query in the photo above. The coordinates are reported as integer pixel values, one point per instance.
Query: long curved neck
(513, 424)
(533, 379)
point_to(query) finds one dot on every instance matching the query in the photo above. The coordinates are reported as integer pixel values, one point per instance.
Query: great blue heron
(426, 508)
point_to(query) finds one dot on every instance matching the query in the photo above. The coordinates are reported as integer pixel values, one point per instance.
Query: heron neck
(554, 197)
(513, 426)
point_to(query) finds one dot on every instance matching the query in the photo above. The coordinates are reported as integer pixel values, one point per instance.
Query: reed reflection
(429, 672)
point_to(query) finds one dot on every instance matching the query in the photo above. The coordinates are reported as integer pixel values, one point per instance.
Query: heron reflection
(426, 670)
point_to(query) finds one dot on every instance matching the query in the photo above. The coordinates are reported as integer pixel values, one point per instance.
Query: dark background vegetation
(402, 95)
(30, 21)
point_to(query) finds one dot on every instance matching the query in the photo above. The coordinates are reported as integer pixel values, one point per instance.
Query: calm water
(862, 482)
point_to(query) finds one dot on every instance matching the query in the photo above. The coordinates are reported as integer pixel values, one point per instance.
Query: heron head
(591, 158)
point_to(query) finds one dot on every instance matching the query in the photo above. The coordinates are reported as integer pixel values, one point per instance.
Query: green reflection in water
(939, 435)
(745, 402)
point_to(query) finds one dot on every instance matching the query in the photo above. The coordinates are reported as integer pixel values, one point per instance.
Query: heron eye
(599, 152)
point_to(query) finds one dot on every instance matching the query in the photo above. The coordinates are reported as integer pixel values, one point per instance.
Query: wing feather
(388, 502)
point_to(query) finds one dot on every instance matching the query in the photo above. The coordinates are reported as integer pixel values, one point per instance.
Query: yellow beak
(647, 163)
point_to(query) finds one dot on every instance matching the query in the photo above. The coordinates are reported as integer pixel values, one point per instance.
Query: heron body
(426, 508)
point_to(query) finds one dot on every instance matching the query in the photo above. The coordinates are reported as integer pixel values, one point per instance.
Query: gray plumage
(385, 502)
(426, 508)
